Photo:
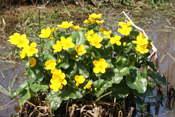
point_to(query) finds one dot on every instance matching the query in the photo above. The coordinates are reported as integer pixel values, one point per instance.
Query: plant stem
(104, 95)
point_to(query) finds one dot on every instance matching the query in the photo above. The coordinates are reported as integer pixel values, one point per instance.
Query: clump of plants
(87, 65)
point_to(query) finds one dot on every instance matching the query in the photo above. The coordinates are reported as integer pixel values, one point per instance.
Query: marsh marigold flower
(66, 25)
(30, 50)
(125, 30)
(79, 79)
(76, 27)
(115, 40)
(14, 38)
(32, 62)
(57, 47)
(95, 16)
(22, 54)
(51, 37)
(50, 64)
(107, 33)
(100, 66)
(67, 43)
(99, 22)
(22, 41)
(80, 49)
(95, 40)
(88, 85)
(125, 24)
(53, 29)
(45, 33)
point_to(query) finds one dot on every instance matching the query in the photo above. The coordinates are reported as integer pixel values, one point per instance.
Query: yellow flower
(67, 43)
(95, 89)
(32, 62)
(53, 29)
(95, 16)
(100, 66)
(107, 33)
(76, 27)
(90, 32)
(66, 24)
(140, 40)
(101, 29)
(57, 47)
(50, 64)
(116, 40)
(22, 54)
(99, 22)
(22, 41)
(125, 24)
(58, 60)
(95, 40)
(79, 79)
(86, 22)
(30, 50)
(51, 37)
(45, 33)
(55, 71)
(88, 85)
(80, 49)
(125, 30)
(14, 38)
(142, 48)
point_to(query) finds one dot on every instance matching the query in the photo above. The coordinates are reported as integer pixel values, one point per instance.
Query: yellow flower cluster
(58, 80)
(94, 39)
(93, 18)
(67, 25)
(125, 28)
(142, 44)
(21, 42)
(64, 44)
(100, 66)
(79, 79)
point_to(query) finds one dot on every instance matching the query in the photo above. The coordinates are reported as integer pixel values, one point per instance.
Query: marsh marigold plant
(87, 62)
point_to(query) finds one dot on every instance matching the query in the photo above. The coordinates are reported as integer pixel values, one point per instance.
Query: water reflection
(8, 73)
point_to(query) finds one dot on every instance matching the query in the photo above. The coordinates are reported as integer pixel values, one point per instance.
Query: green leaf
(75, 95)
(19, 89)
(160, 79)
(36, 87)
(101, 86)
(140, 83)
(26, 95)
(64, 65)
(78, 38)
(48, 54)
(74, 71)
(121, 90)
(83, 69)
(49, 43)
(54, 100)
(31, 72)
(140, 103)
